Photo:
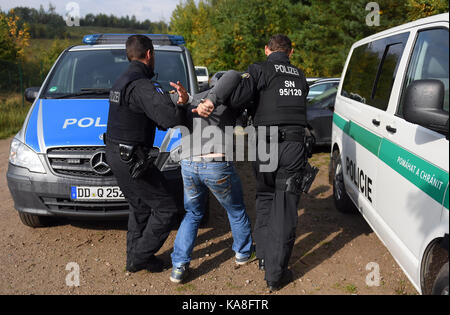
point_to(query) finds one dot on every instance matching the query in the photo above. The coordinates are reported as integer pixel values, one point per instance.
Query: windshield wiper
(84, 92)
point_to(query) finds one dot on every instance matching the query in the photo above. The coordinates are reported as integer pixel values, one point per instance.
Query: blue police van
(57, 164)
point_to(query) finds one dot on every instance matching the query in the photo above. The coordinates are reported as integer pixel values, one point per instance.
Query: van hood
(75, 122)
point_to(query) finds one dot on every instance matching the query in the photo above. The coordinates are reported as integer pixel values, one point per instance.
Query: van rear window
(372, 69)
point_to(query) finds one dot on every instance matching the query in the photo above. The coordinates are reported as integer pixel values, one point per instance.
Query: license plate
(96, 193)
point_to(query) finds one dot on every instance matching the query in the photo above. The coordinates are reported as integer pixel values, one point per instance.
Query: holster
(309, 174)
(309, 143)
(299, 182)
(138, 158)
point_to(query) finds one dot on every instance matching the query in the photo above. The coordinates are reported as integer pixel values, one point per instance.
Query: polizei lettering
(286, 70)
(360, 179)
(85, 122)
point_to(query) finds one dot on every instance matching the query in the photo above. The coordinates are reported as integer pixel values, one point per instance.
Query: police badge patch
(158, 88)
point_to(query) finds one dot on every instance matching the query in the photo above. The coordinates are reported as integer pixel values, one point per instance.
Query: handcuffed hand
(183, 96)
(204, 109)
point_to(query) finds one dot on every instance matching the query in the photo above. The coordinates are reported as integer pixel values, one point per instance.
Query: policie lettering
(361, 180)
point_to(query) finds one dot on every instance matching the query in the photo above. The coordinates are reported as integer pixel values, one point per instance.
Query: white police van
(57, 163)
(390, 149)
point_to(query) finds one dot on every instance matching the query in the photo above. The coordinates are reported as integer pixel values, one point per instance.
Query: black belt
(107, 139)
(291, 133)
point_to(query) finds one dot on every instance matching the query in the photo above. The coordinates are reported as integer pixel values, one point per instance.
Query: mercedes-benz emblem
(98, 163)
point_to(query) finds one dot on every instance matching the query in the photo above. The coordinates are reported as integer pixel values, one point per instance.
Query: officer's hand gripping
(204, 109)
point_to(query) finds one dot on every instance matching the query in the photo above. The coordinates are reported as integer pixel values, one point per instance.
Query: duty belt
(296, 134)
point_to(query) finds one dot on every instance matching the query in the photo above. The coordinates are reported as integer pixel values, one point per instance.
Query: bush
(12, 114)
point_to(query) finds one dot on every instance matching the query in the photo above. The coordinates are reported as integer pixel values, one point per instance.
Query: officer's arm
(158, 106)
(246, 90)
(224, 87)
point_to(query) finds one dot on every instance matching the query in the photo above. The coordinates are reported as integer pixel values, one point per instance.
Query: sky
(154, 10)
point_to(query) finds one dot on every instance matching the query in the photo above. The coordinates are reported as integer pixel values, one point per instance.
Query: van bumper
(49, 195)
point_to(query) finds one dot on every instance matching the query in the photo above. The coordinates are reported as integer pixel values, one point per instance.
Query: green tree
(423, 8)
(14, 37)
(49, 56)
(227, 34)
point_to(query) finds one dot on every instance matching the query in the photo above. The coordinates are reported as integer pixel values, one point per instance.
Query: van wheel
(341, 199)
(33, 220)
(440, 286)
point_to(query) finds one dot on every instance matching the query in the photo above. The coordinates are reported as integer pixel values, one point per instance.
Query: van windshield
(92, 73)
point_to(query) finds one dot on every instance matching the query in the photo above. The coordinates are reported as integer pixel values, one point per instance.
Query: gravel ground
(330, 255)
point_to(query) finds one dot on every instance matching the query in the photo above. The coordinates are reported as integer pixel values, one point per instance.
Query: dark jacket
(141, 97)
(216, 140)
(247, 92)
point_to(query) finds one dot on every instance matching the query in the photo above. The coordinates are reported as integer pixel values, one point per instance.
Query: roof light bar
(158, 39)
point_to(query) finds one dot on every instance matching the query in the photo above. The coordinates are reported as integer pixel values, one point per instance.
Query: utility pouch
(126, 152)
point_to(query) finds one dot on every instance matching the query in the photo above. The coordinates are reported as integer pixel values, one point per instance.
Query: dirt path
(330, 255)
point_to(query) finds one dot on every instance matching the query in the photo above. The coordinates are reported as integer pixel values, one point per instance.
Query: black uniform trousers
(153, 210)
(276, 211)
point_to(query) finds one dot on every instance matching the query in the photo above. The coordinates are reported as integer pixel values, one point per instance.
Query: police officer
(137, 106)
(278, 89)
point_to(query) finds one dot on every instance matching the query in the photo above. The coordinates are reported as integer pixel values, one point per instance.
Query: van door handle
(376, 122)
(391, 129)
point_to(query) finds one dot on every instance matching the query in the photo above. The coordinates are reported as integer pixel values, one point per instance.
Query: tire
(341, 199)
(440, 286)
(33, 220)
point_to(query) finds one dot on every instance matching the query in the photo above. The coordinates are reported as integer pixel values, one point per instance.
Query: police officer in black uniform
(137, 106)
(278, 90)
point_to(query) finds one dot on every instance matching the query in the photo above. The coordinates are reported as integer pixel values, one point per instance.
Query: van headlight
(21, 155)
(170, 161)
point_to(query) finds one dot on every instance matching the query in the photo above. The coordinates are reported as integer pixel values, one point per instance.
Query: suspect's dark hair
(137, 47)
(280, 42)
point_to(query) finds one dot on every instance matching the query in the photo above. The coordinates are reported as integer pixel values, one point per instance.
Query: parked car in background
(202, 77)
(321, 86)
(320, 115)
(311, 81)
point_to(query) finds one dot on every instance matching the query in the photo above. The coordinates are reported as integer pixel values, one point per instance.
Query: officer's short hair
(137, 46)
(280, 42)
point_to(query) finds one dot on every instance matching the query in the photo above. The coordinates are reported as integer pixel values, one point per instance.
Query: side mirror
(424, 103)
(31, 93)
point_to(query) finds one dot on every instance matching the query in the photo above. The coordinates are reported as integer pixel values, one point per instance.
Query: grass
(12, 114)
(185, 288)
(349, 288)
(401, 288)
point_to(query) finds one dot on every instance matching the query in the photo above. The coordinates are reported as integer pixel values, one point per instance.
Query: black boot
(154, 264)
(286, 278)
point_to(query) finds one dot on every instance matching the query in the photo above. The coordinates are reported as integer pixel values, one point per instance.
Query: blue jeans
(223, 181)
